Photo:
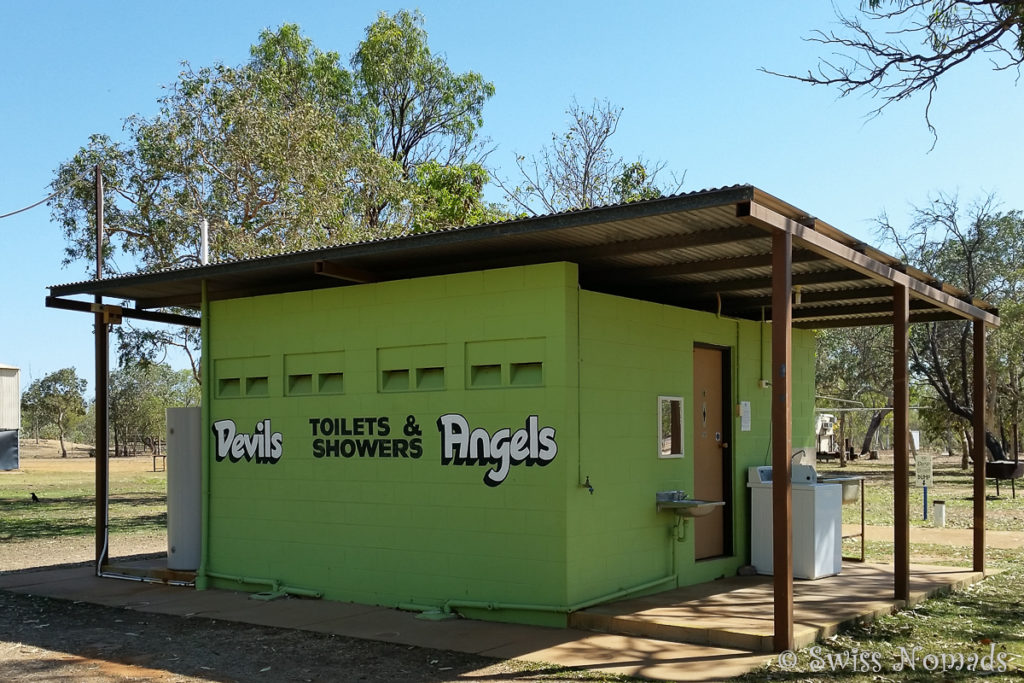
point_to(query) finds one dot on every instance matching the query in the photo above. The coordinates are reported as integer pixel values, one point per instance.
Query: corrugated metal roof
(702, 250)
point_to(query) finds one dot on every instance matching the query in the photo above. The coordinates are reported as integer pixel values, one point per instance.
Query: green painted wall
(632, 352)
(495, 347)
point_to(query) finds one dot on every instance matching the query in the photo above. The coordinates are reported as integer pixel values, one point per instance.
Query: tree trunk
(965, 443)
(994, 449)
(876, 421)
(63, 450)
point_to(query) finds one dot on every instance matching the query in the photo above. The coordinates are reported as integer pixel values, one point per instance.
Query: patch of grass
(968, 635)
(951, 484)
(946, 555)
(67, 503)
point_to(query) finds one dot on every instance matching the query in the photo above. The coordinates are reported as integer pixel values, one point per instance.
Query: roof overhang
(707, 250)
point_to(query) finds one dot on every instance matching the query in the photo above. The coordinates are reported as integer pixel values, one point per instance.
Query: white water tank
(184, 488)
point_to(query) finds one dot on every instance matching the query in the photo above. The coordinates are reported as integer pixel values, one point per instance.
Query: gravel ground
(43, 639)
(54, 640)
(74, 549)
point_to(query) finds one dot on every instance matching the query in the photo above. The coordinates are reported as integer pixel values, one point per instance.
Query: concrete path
(944, 536)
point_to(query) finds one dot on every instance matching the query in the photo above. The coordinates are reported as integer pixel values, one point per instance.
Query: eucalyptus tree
(140, 394)
(290, 150)
(56, 401)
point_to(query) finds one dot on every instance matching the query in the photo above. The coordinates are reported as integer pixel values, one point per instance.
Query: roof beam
(929, 316)
(216, 293)
(584, 253)
(335, 270)
(180, 300)
(750, 283)
(151, 316)
(827, 296)
(822, 312)
(696, 267)
(758, 215)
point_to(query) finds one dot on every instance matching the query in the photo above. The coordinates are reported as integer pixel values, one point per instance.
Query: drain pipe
(205, 371)
(146, 579)
(275, 585)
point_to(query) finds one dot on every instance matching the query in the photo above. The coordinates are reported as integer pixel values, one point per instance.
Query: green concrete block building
(478, 421)
(482, 437)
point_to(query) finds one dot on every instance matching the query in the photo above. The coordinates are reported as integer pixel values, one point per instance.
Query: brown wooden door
(711, 533)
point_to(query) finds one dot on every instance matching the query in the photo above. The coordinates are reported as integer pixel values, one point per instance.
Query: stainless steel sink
(690, 507)
(851, 487)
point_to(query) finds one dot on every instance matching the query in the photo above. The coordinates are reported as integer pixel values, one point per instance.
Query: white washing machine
(817, 523)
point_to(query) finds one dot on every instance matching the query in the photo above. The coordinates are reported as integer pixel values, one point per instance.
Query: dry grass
(60, 527)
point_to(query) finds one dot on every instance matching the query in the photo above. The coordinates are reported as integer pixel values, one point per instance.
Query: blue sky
(684, 72)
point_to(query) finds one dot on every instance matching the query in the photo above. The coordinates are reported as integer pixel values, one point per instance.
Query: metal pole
(782, 438)
(979, 445)
(102, 371)
(900, 443)
(204, 242)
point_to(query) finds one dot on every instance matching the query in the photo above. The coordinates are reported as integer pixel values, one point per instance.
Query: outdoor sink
(851, 487)
(691, 507)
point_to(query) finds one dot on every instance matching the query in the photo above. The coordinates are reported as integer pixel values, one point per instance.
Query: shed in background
(10, 416)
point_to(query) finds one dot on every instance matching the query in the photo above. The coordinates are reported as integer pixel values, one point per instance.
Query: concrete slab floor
(739, 611)
(738, 607)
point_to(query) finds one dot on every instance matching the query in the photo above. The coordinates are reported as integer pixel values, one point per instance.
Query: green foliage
(854, 364)
(287, 151)
(415, 108)
(140, 395)
(55, 401)
(447, 196)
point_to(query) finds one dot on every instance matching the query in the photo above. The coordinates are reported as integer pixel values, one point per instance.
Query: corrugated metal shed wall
(10, 397)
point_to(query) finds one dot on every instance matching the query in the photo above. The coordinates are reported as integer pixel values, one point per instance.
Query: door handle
(724, 444)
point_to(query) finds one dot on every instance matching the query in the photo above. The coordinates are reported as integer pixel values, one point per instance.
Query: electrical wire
(45, 199)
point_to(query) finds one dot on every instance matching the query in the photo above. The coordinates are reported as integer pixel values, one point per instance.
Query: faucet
(586, 484)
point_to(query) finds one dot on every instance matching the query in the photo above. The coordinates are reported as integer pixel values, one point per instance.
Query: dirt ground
(43, 639)
(53, 640)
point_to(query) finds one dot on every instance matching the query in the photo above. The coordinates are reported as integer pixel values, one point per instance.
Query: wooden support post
(102, 372)
(901, 443)
(979, 445)
(782, 438)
